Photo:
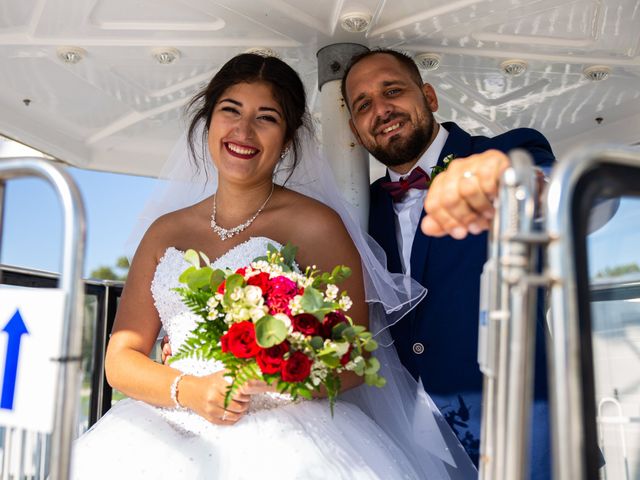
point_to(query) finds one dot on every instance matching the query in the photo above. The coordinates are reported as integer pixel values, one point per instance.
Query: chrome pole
(74, 232)
(507, 327)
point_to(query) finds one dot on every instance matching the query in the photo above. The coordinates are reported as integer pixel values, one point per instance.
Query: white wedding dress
(278, 439)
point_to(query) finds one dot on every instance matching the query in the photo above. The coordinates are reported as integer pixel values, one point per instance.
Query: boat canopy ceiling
(120, 108)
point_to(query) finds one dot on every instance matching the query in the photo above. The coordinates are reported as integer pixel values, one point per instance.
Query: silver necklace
(226, 233)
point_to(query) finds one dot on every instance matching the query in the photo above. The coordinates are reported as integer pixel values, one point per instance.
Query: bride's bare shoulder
(170, 229)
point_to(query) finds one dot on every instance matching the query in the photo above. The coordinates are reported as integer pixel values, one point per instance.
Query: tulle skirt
(297, 441)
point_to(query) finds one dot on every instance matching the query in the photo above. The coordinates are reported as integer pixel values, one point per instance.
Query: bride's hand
(205, 396)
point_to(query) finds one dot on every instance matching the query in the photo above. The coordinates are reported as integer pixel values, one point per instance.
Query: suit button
(418, 348)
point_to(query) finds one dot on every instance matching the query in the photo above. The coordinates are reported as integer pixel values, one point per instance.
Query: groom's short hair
(405, 60)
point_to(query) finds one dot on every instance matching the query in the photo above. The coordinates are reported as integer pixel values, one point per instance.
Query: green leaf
(200, 278)
(340, 273)
(217, 277)
(316, 343)
(312, 301)
(289, 252)
(192, 257)
(336, 331)
(330, 359)
(303, 392)
(270, 331)
(373, 365)
(371, 345)
(349, 334)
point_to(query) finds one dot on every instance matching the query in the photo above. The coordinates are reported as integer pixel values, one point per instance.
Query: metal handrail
(507, 326)
(566, 368)
(74, 233)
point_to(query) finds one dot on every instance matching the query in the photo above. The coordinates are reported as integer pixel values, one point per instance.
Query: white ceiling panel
(118, 109)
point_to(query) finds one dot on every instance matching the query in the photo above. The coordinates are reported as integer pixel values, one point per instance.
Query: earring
(284, 153)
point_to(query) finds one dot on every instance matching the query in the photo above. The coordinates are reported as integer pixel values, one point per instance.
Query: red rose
(224, 343)
(306, 323)
(260, 280)
(221, 287)
(297, 368)
(331, 320)
(346, 357)
(281, 291)
(241, 271)
(241, 340)
(270, 359)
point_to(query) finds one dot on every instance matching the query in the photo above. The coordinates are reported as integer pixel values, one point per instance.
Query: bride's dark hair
(286, 86)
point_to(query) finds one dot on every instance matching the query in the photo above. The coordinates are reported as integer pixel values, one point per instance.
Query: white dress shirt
(409, 209)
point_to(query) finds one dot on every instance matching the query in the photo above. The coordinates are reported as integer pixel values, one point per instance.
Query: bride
(175, 425)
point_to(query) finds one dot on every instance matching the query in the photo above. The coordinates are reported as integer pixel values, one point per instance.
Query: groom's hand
(460, 199)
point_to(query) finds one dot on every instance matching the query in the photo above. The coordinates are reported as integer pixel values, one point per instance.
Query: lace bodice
(178, 321)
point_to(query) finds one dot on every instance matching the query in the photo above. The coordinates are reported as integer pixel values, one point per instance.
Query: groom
(392, 117)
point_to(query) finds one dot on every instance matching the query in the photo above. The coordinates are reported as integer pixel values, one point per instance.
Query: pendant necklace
(226, 233)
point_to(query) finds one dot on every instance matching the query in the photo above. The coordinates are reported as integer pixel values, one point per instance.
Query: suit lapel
(459, 144)
(382, 226)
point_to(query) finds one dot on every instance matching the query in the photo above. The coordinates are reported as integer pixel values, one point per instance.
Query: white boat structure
(102, 85)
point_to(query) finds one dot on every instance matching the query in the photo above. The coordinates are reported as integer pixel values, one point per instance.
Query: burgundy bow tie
(418, 178)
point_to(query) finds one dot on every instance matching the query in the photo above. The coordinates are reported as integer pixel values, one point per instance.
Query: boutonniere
(445, 164)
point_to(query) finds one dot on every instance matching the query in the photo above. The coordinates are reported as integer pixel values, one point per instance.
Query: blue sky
(32, 233)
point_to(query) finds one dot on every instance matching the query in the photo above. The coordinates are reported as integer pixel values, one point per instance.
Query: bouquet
(268, 321)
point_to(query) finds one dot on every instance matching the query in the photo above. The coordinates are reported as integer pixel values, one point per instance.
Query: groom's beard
(399, 151)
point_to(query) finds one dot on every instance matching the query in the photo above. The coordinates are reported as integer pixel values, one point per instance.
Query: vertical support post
(348, 160)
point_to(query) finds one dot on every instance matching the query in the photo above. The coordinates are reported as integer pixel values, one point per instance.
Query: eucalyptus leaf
(336, 331)
(217, 277)
(316, 343)
(270, 331)
(197, 278)
(191, 256)
(371, 345)
(330, 359)
(349, 334)
(312, 301)
(233, 281)
(373, 365)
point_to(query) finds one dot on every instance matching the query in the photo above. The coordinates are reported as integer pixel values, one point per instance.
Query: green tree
(117, 272)
(619, 270)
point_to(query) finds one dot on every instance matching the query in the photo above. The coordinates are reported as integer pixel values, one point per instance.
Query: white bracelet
(174, 391)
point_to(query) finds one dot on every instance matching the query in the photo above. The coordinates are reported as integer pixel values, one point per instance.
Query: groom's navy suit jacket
(438, 341)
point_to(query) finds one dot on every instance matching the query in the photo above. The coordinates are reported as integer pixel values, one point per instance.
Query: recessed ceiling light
(428, 61)
(263, 51)
(355, 22)
(513, 68)
(166, 56)
(71, 55)
(596, 73)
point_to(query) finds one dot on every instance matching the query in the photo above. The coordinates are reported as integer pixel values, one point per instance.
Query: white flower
(345, 303)
(236, 294)
(284, 318)
(253, 295)
(294, 305)
(318, 373)
(257, 313)
(331, 292)
(241, 314)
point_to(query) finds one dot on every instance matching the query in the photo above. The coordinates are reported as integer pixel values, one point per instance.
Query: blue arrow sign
(15, 328)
